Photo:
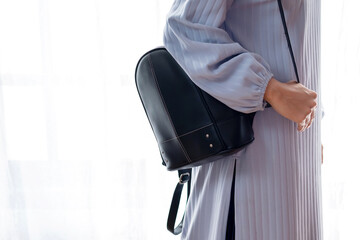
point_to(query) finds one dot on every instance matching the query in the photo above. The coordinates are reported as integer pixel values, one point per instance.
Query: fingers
(306, 123)
(301, 126)
(311, 119)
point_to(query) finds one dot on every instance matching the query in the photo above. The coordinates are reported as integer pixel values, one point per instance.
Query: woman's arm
(195, 36)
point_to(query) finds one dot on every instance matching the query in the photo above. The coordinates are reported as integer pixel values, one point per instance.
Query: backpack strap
(184, 177)
(288, 39)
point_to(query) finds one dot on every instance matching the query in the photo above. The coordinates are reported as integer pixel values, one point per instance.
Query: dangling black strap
(288, 39)
(185, 175)
(230, 226)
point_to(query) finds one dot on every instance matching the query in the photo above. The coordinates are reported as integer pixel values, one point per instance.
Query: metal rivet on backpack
(211, 145)
(207, 135)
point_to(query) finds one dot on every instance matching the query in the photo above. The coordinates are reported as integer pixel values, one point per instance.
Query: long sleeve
(195, 35)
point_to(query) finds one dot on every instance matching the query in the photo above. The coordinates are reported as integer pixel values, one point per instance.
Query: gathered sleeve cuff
(195, 35)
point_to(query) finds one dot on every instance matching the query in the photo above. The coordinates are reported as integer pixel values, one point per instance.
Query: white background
(78, 159)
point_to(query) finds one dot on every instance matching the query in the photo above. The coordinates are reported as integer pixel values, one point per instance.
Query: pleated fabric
(231, 49)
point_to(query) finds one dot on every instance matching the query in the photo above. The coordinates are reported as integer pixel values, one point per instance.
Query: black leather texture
(190, 126)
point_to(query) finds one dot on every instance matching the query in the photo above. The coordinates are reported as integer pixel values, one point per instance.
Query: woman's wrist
(272, 90)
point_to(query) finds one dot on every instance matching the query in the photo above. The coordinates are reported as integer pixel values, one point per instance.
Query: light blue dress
(231, 49)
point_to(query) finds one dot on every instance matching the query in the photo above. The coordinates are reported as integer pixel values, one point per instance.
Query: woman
(236, 51)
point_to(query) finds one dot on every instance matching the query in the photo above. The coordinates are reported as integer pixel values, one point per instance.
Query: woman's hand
(293, 101)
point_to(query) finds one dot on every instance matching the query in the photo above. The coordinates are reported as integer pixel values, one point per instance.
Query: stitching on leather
(167, 112)
(187, 133)
(211, 117)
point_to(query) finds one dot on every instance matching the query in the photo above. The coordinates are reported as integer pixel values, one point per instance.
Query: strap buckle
(184, 178)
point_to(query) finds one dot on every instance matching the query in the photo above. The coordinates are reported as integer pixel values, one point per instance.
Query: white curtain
(78, 159)
(340, 126)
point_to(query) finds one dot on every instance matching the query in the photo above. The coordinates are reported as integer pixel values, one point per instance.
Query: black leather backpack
(190, 126)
